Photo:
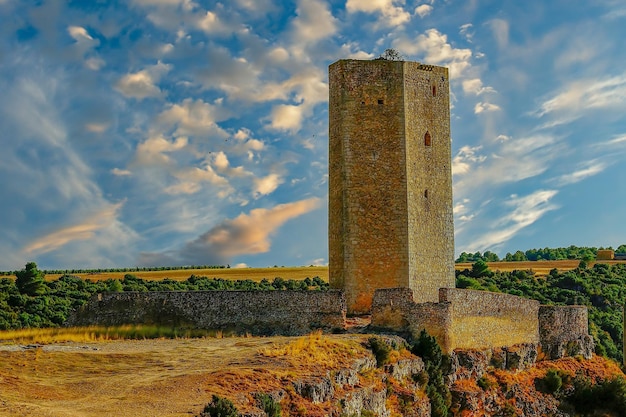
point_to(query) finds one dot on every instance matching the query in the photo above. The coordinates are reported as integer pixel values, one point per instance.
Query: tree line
(31, 301)
(546, 254)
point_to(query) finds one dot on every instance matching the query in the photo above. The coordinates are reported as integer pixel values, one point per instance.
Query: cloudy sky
(168, 132)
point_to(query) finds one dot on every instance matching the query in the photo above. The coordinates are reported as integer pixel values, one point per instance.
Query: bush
(550, 383)
(608, 395)
(438, 392)
(219, 407)
(380, 349)
(267, 404)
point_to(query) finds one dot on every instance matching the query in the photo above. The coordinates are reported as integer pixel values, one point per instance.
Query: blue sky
(168, 132)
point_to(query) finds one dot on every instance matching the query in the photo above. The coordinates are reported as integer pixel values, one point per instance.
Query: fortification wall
(463, 319)
(482, 319)
(564, 331)
(254, 312)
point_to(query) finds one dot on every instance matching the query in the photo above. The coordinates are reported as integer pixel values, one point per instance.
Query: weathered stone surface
(344, 377)
(405, 368)
(564, 331)
(365, 399)
(521, 356)
(254, 312)
(390, 186)
(316, 390)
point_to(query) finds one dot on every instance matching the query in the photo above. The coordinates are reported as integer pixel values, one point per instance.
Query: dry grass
(95, 334)
(314, 349)
(158, 377)
(255, 274)
(539, 267)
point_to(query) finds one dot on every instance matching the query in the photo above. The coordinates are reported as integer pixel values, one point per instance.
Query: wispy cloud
(244, 235)
(85, 230)
(588, 169)
(519, 213)
(582, 95)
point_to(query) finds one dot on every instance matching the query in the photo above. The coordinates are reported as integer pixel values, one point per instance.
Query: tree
(30, 280)
(391, 55)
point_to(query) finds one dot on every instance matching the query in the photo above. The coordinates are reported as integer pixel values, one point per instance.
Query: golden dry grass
(539, 267)
(88, 334)
(313, 349)
(158, 377)
(255, 274)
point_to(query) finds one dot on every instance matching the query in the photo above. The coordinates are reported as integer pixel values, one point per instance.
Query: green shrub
(267, 404)
(550, 383)
(219, 407)
(380, 349)
(486, 383)
(608, 395)
(438, 392)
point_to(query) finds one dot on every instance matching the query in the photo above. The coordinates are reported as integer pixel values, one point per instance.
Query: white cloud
(436, 50)
(500, 28)
(153, 150)
(465, 31)
(267, 185)
(423, 10)
(194, 117)
(465, 158)
(211, 23)
(94, 64)
(475, 86)
(313, 22)
(121, 172)
(578, 96)
(589, 169)
(286, 117)
(246, 234)
(85, 230)
(485, 107)
(510, 161)
(142, 84)
(391, 14)
(79, 33)
(522, 212)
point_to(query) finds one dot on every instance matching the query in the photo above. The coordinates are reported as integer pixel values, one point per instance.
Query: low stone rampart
(564, 331)
(481, 319)
(395, 309)
(463, 319)
(253, 312)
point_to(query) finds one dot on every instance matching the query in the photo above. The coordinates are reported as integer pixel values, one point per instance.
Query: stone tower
(390, 196)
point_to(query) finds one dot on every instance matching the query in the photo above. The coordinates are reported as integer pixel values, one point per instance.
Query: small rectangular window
(381, 101)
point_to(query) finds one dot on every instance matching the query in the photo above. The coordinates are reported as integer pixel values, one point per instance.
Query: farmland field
(301, 272)
(255, 274)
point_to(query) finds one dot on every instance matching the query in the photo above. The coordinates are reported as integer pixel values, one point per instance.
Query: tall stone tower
(390, 197)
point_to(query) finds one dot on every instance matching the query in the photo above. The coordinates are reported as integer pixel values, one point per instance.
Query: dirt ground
(150, 377)
(122, 378)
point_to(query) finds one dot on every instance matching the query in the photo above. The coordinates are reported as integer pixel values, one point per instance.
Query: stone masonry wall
(429, 176)
(482, 319)
(390, 188)
(394, 309)
(368, 234)
(463, 319)
(564, 331)
(254, 312)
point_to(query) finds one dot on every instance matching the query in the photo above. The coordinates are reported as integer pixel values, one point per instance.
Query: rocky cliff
(387, 381)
